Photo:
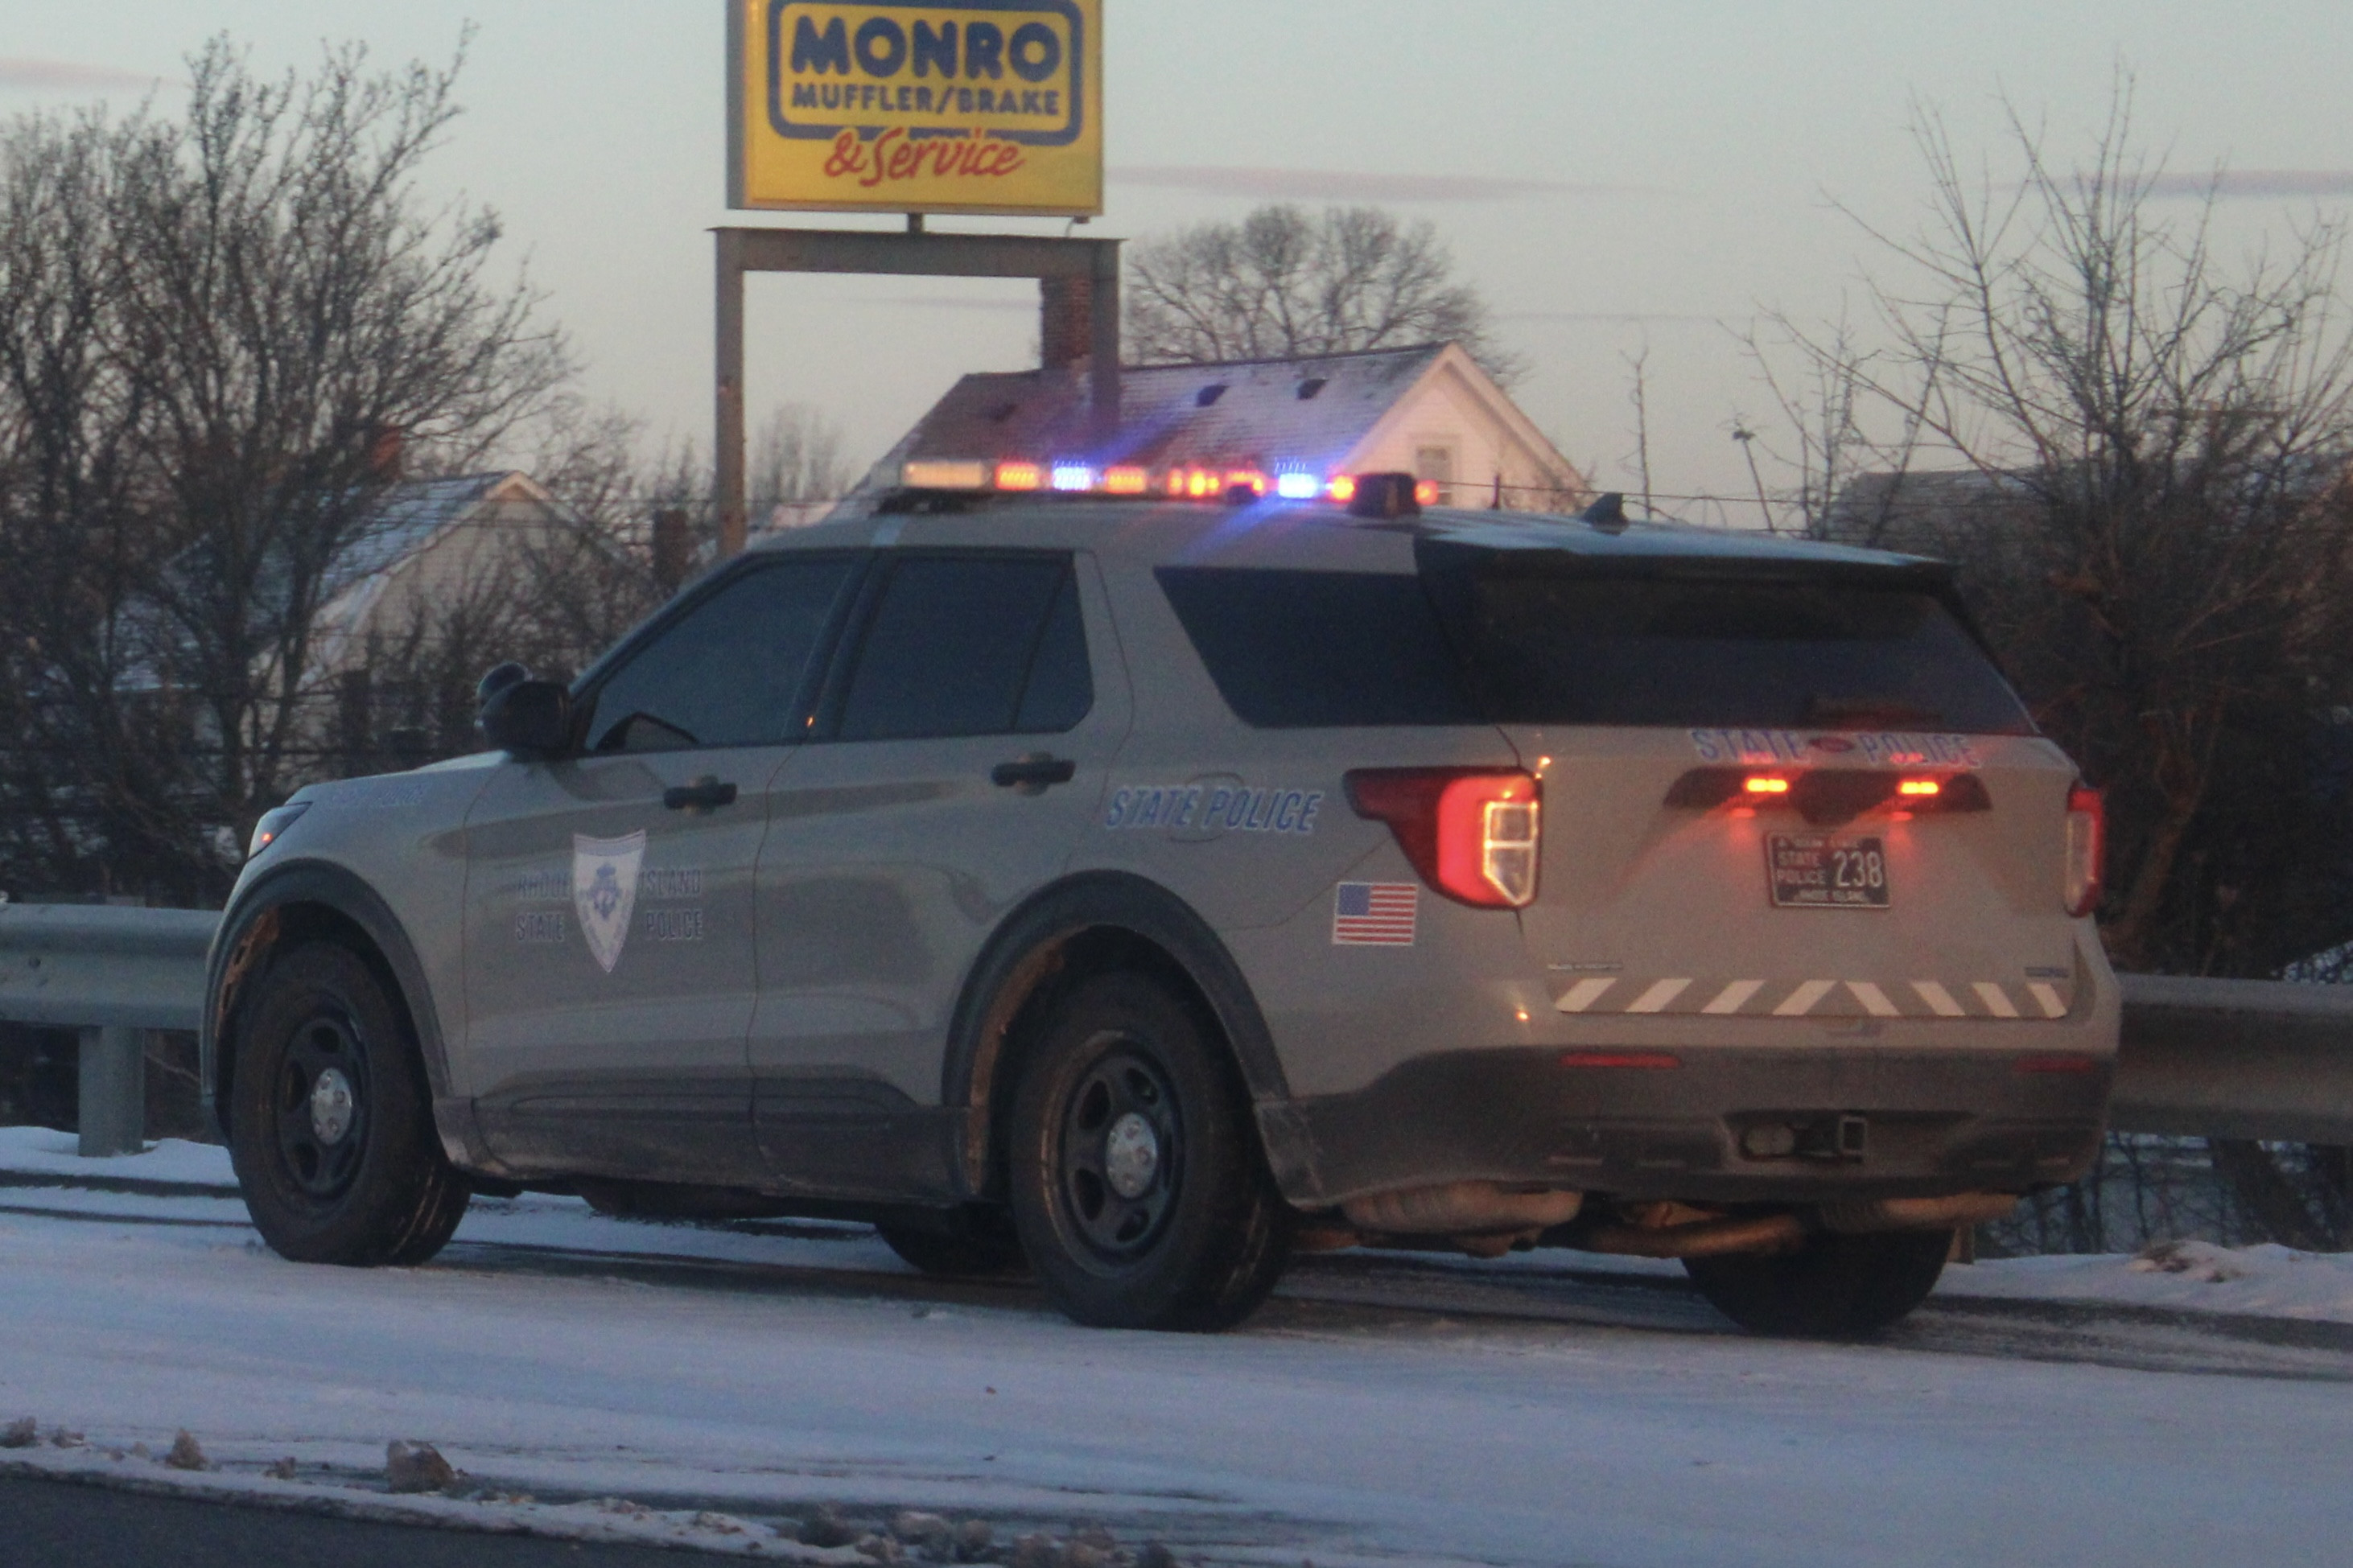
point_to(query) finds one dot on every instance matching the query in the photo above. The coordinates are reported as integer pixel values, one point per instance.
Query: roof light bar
(1187, 481)
(935, 475)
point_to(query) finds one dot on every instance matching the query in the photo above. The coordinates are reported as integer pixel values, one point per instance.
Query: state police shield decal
(604, 891)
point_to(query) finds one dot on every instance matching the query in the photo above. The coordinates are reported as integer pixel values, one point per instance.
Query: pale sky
(1614, 175)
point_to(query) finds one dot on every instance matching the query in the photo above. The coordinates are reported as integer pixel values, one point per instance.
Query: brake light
(1471, 834)
(2087, 845)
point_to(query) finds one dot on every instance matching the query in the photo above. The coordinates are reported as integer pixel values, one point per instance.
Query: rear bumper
(1930, 1122)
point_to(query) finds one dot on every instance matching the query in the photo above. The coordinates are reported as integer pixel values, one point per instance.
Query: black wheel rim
(1120, 1161)
(322, 1106)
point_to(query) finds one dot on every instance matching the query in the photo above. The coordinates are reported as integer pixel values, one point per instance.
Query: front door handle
(1034, 774)
(705, 794)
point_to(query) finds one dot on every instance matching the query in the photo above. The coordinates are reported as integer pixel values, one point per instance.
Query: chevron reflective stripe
(1995, 999)
(1940, 1001)
(1874, 1001)
(1734, 996)
(1684, 995)
(1800, 1002)
(1584, 995)
(1656, 998)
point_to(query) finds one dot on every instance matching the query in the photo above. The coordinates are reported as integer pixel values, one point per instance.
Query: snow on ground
(46, 1152)
(1416, 1442)
(1342, 1438)
(2253, 1281)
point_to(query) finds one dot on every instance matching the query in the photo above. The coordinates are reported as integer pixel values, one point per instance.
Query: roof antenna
(1607, 513)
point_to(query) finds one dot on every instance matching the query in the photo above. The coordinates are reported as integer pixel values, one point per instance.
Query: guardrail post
(113, 1115)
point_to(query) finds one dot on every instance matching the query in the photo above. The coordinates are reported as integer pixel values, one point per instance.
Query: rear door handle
(1034, 774)
(705, 794)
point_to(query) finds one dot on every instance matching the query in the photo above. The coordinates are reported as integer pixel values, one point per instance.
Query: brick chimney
(1065, 320)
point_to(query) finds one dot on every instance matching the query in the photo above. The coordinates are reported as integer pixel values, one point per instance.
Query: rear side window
(970, 646)
(1294, 650)
(728, 672)
(1480, 639)
(1836, 653)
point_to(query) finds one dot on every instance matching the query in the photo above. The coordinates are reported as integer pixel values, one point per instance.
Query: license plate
(1825, 871)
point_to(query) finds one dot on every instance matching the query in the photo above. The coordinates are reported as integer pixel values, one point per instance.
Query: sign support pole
(913, 253)
(727, 441)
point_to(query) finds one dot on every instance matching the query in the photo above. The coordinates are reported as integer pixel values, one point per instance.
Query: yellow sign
(993, 106)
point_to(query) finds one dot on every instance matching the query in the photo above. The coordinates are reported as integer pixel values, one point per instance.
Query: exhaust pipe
(1788, 1232)
(1461, 1208)
(1916, 1214)
(1707, 1238)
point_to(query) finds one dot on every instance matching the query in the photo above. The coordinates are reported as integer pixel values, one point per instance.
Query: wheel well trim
(249, 928)
(1031, 945)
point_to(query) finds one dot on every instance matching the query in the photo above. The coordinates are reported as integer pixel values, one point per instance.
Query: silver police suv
(1149, 887)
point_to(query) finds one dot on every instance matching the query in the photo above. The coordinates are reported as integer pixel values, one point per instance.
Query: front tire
(1837, 1286)
(331, 1131)
(1138, 1188)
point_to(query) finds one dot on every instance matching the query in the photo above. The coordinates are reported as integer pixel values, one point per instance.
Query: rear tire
(1138, 1187)
(332, 1129)
(1839, 1287)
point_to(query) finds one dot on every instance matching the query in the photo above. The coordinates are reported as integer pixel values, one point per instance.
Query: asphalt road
(58, 1524)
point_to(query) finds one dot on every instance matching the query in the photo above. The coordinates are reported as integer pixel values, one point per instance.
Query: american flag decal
(1373, 914)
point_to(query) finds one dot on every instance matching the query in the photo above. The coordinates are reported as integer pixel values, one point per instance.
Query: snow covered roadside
(2188, 1276)
(1358, 1439)
(609, 1519)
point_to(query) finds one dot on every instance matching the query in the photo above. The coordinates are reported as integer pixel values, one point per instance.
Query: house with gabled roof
(1429, 411)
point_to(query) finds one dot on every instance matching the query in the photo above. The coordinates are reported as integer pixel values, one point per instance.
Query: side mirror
(531, 718)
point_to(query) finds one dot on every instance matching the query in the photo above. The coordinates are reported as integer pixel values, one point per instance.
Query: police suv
(1149, 876)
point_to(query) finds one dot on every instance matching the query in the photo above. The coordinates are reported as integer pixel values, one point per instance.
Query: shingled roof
(1311, 412)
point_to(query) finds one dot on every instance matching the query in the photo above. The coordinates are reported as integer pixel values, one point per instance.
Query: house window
(1436, 463)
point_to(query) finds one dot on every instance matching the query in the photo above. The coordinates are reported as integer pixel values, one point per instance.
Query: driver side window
(729, 672)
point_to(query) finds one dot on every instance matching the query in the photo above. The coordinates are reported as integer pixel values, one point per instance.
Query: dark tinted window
(1303, 649)
(1494, 640)
(953, 645)
(1062, 688)
(1836, 653)
(729, 671)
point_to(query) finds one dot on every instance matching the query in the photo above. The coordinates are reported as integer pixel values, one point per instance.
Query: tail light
(1471, 834)
(2087, 843)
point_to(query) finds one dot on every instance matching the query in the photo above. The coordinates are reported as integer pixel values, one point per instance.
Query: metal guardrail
(2236, 1058)
(114, 974)
(2211, 1058)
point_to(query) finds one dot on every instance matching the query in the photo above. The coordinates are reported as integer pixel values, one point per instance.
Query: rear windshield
(1300, 650)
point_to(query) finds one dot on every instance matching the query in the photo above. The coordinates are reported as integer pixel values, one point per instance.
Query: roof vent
(1002, 412)
(1310, 388)
(1209, 395)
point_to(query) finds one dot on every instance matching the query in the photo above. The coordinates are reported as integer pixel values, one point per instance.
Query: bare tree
(1825, 441)
(260, 314)
(1284, 281)
(2154, 524)
(1638, 394)
(797, 461)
